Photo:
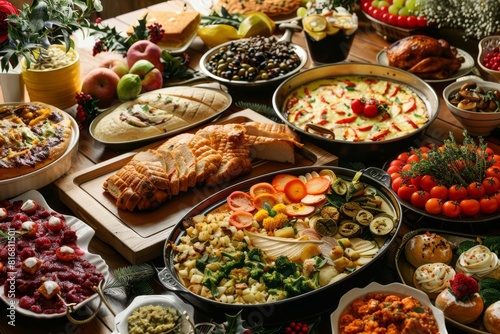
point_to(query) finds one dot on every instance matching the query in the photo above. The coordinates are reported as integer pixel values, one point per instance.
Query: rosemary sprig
(131, 280)
(260, 108)
(453, 163)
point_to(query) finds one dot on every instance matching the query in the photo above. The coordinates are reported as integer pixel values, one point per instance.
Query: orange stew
(387, 313)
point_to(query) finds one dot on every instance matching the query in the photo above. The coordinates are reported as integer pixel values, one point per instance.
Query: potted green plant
(39, 37)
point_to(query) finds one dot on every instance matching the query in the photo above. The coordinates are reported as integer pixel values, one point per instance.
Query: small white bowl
(121, 323)
(393, 288)
(486, 45)
(476, 123)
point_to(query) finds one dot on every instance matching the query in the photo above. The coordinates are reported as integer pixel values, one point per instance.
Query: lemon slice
(215, 34)
(256, 24)
(315, 23)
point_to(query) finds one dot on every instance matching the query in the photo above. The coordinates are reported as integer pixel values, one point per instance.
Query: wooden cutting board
(140, 236)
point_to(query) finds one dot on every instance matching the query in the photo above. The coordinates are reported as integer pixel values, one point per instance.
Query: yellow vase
(56, 87)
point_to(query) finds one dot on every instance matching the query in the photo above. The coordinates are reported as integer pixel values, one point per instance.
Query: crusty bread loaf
(178, 26)
(428, 248)
(463, 312)
(491, 318)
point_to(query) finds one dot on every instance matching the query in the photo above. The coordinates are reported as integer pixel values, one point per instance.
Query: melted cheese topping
(50, 286)
(327, 103)
(28, 205)
(478, 260)
(54, 221)
(28, 225)
(433, 277)
(30, 262)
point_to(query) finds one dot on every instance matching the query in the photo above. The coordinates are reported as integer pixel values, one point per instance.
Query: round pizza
(32, 135)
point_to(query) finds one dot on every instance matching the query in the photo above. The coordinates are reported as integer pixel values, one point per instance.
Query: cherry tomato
(403, 156)
(421, 22)
(495, 158)
(357, 106)
(440, 191)
(370, 110)
(493, 171)
(491, 185)
(406, 190)
(413, 158)
(395, 175)
(402, 21)
(65, 256)
(470, 207)
(419, 198)
(416, 181)
(434, 206)
(497, 197)
(475, 190)
(412, 22)
(457, 192)
(406, 167)
(427, 182)
(488, 204)
(451, 209)
(393, 169)
(397, 162)
(393, 19)
(396, 183)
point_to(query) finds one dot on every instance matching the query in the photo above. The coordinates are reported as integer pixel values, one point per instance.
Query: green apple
(151, 77)
(129, 87)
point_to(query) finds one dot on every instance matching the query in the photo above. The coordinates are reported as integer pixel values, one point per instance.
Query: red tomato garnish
(440, 191)
(241, 219)
(261, 188)
(488, 204)
(295, 190)
(457, 192)
(475, 190)
(419, 198)
(280, 180)
(470, 207)
(65, 256)
(451, 209)
(427, 182)
(405, 191)
(317, 185)
(240, 201)
(493, 171)
(261, 199)
(491, 185)
(434, 206)
(357, 106)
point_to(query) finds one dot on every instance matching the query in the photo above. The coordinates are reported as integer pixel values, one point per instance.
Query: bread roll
(463, 312)
(491, 318)
(428, 248)
(432, 278)
(479, 262)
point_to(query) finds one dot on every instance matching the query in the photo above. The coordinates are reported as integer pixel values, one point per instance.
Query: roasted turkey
(213, 155)
(424, 56)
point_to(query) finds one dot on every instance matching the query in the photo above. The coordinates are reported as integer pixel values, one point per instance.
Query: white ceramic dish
(84, 234)
(466, 68)
(487, 45)
(168, 300)
(135, 142)
(48, 174)
(394, 288)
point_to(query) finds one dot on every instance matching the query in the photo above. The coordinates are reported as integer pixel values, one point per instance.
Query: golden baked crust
(463, 312)
(428, 248)
(269, 7)
(491, 318)
(178, 26)
(32, 135)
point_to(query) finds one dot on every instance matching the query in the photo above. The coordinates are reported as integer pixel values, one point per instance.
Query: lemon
(256, 24)
(215, 34)
(315, 23)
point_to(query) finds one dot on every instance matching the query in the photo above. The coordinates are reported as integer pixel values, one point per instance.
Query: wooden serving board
(140, 236)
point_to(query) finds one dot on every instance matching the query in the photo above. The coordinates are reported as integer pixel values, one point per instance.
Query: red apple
(116, 65)
(151, 77)
(147, 50)
(101, 84)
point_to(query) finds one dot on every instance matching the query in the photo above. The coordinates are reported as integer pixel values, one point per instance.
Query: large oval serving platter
(129, 142)
(84, 234)
(318, 301)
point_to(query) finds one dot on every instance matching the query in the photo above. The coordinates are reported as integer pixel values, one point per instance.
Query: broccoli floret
(236, 260)
(489, 283)
(278, 294)
(256, 272)
(284, 266)
(465, 246)
(273, 279)
(489, 296)
(211, 280)
(201, 263)
(256, 254)
(239, 275)
(297, 285)
(493, 243)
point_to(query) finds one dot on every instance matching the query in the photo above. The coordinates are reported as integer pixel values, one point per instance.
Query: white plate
(394, 288)
(206, 7)
(43, 176)
(467, 65)
(170, 300)
(84, 234)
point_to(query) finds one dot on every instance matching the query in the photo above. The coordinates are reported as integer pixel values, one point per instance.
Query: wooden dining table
(367, 44)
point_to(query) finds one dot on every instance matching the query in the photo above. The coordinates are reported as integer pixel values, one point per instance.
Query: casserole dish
(358, 150)
(279, 311)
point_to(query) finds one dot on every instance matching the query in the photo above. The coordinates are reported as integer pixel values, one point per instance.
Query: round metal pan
(359, 151)
(274, 82)
(318, 301)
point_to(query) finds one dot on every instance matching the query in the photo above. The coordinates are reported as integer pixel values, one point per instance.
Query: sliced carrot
(295, 190)
(280, 180)
(261, 188)
(313, 199)
(261, 199)
(299, 209)
(241, 219)
(240, 201)
(317, 185)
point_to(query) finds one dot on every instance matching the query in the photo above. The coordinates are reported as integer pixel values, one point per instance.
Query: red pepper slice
(346, 120)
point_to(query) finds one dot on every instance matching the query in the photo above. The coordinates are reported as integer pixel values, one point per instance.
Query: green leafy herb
(260, 108)
(131, 280)
(222, 18)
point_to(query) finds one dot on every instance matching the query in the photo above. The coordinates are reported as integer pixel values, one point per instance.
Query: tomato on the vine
(393, 169)
(396, 183)
(451, 209)
(403, 156)
(427, 182)
(457, 192)
(370, 110)
(416, 181)
(440, 191)
(491, 185)
(357, 106)
(406, 190)
(470, 207)
(493, 171)
(497, 197)
(475, 190)
(488, 205)
(413, 158)
(419, 198)
(434, 206)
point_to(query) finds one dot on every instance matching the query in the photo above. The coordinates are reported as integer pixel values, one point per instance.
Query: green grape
(404, 12)
(399, 3)
(375, 3)
(410, 4)
(384, 3)
(393, 9)
(301, 12)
